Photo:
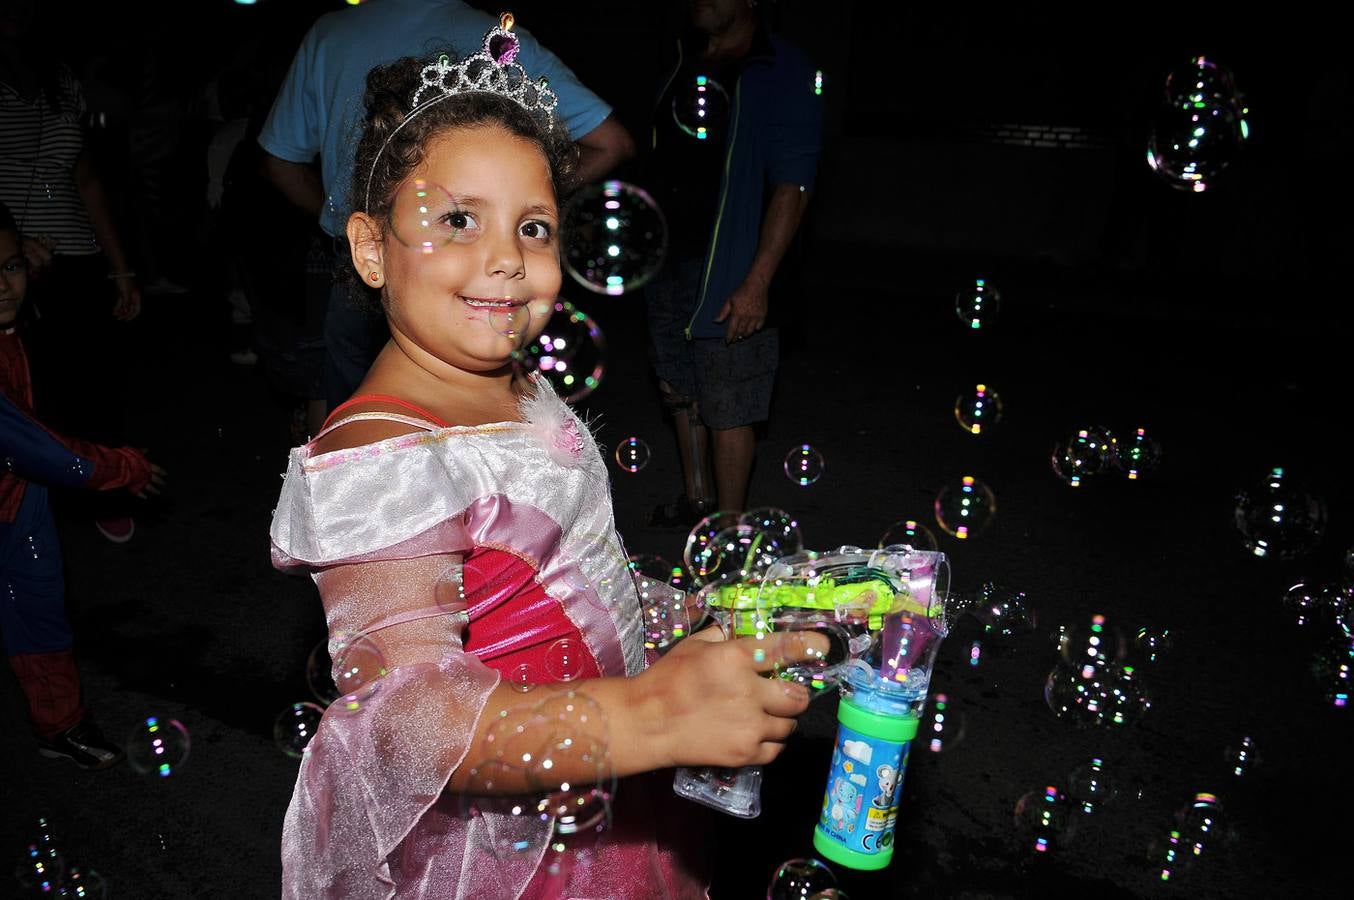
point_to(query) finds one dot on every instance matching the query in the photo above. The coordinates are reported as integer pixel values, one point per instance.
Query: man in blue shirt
(734, 190)
(319, 110)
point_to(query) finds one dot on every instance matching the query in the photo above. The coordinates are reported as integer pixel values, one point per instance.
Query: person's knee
(675, 402)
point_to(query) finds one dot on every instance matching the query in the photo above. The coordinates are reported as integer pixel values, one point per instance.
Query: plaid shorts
(731, 382)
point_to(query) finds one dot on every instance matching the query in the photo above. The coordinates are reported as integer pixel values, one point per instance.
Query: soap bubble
(1301, 603)
(943, 725)
(963, 509)
(570, 351)
(1090, 451)
(360, 666)
(566, 659)
(521, 677)
(804, 465)
(1199, 129)
(1093, 696)
(799, 879)
(632, 454)
(1003, 611)
(157, 746)
(615, 237)
(83, 884)
(1278, 519)
(1095, 643)
(425, 217)
(664, 612)
(1333, 669)
(1044, 820)
(911, 533)
(1090, 787)
(513, 322)
(650, 566)
(978, 409)
(449, 589)
(576, 730)
(295, 726)
(41, 868)
(1200, 829)
(1242, 756)
(777, 524)
(1137, 455)
(700, 107)
(977, 304)
(1151, 643)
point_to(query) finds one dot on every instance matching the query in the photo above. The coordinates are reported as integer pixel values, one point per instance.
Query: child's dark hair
(7, 222)
(389, 90)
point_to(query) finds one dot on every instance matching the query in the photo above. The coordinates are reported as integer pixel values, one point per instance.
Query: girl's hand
(707, 702)
(128, 305)
(158, 476)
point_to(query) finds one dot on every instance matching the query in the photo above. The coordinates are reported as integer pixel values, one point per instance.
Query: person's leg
(693, 442)
(735, 382)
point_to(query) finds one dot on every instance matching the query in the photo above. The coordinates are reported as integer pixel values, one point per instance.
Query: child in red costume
(33, 623)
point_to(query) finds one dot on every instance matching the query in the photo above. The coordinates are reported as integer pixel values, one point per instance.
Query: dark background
(1218, 321)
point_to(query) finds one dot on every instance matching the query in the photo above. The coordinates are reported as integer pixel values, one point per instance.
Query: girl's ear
(364, 239)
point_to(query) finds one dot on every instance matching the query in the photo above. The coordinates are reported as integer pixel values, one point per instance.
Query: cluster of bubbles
(1278, 518)
(1096, 450)
(804, 465)
(570, 352)
(1200, 126)
(543, 766)
(1094, 684)
(343, 673)
(615, 237)
(42, 870)
(977, 304)
(978, 409)
(725, 545)
(803, 879)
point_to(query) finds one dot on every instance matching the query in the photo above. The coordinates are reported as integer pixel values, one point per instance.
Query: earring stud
(375, 277)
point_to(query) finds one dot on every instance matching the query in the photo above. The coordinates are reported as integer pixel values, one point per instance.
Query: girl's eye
(538, 230)
(459, 220)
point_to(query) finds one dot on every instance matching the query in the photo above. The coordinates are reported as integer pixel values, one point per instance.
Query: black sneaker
(83, 745)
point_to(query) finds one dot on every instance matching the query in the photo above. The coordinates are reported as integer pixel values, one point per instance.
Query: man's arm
(746, 307)
(298, 182)
(603, 149)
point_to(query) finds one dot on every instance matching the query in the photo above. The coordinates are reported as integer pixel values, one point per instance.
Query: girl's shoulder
(369, 418)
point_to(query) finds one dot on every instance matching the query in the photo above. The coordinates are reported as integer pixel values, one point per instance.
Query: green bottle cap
(877, 725)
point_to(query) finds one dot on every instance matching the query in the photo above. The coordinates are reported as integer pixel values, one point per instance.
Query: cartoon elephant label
(860, 806)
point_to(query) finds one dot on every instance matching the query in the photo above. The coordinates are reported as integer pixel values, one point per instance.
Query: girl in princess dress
(456, 515)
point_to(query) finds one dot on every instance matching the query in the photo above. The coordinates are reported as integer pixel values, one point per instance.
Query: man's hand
(745, 310)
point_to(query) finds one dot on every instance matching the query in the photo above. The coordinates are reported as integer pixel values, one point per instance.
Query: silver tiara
(494, 70)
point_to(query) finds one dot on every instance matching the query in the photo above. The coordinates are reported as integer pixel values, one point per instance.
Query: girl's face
(470, 260)
(13, 277)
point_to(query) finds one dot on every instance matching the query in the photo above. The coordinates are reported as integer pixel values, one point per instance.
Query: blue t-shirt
(319, 110)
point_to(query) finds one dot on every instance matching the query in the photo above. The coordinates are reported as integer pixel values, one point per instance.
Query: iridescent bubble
(1093, 696)
(1090, 451)
(426, 217)
(911, 533)
(1004, 611)
(513, 322)
(41, 868)
(319, 677)
(565, 659)
(804, 465)
(1090, 787)
(831, 894)
(1333, 669)
(778, 524)
(359, 666)
(1096, 643)
(1066, 466)
(522, 677)
(615, 237)
(1335, 599)
(978, 410)
(1200, 127)
(570, 351)
(650, 566)
(1301, 603)
(1137, 455)
(1278, 519)
(703, 554)
(977, 304)
(799, 879)
(157, 746)
(83, 884)
(1044, 820)
(965, 508)
(943, 726)
(1200, 829)
(700, 107)
(632, 454)
(1151, 644)
(818, 670)
(576, 743)
(1242, 756)
(295, 726)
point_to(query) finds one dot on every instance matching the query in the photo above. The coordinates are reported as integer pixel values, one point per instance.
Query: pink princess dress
(526, 507)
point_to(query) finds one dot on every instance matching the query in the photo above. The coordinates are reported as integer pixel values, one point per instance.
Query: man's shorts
(731, 382)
